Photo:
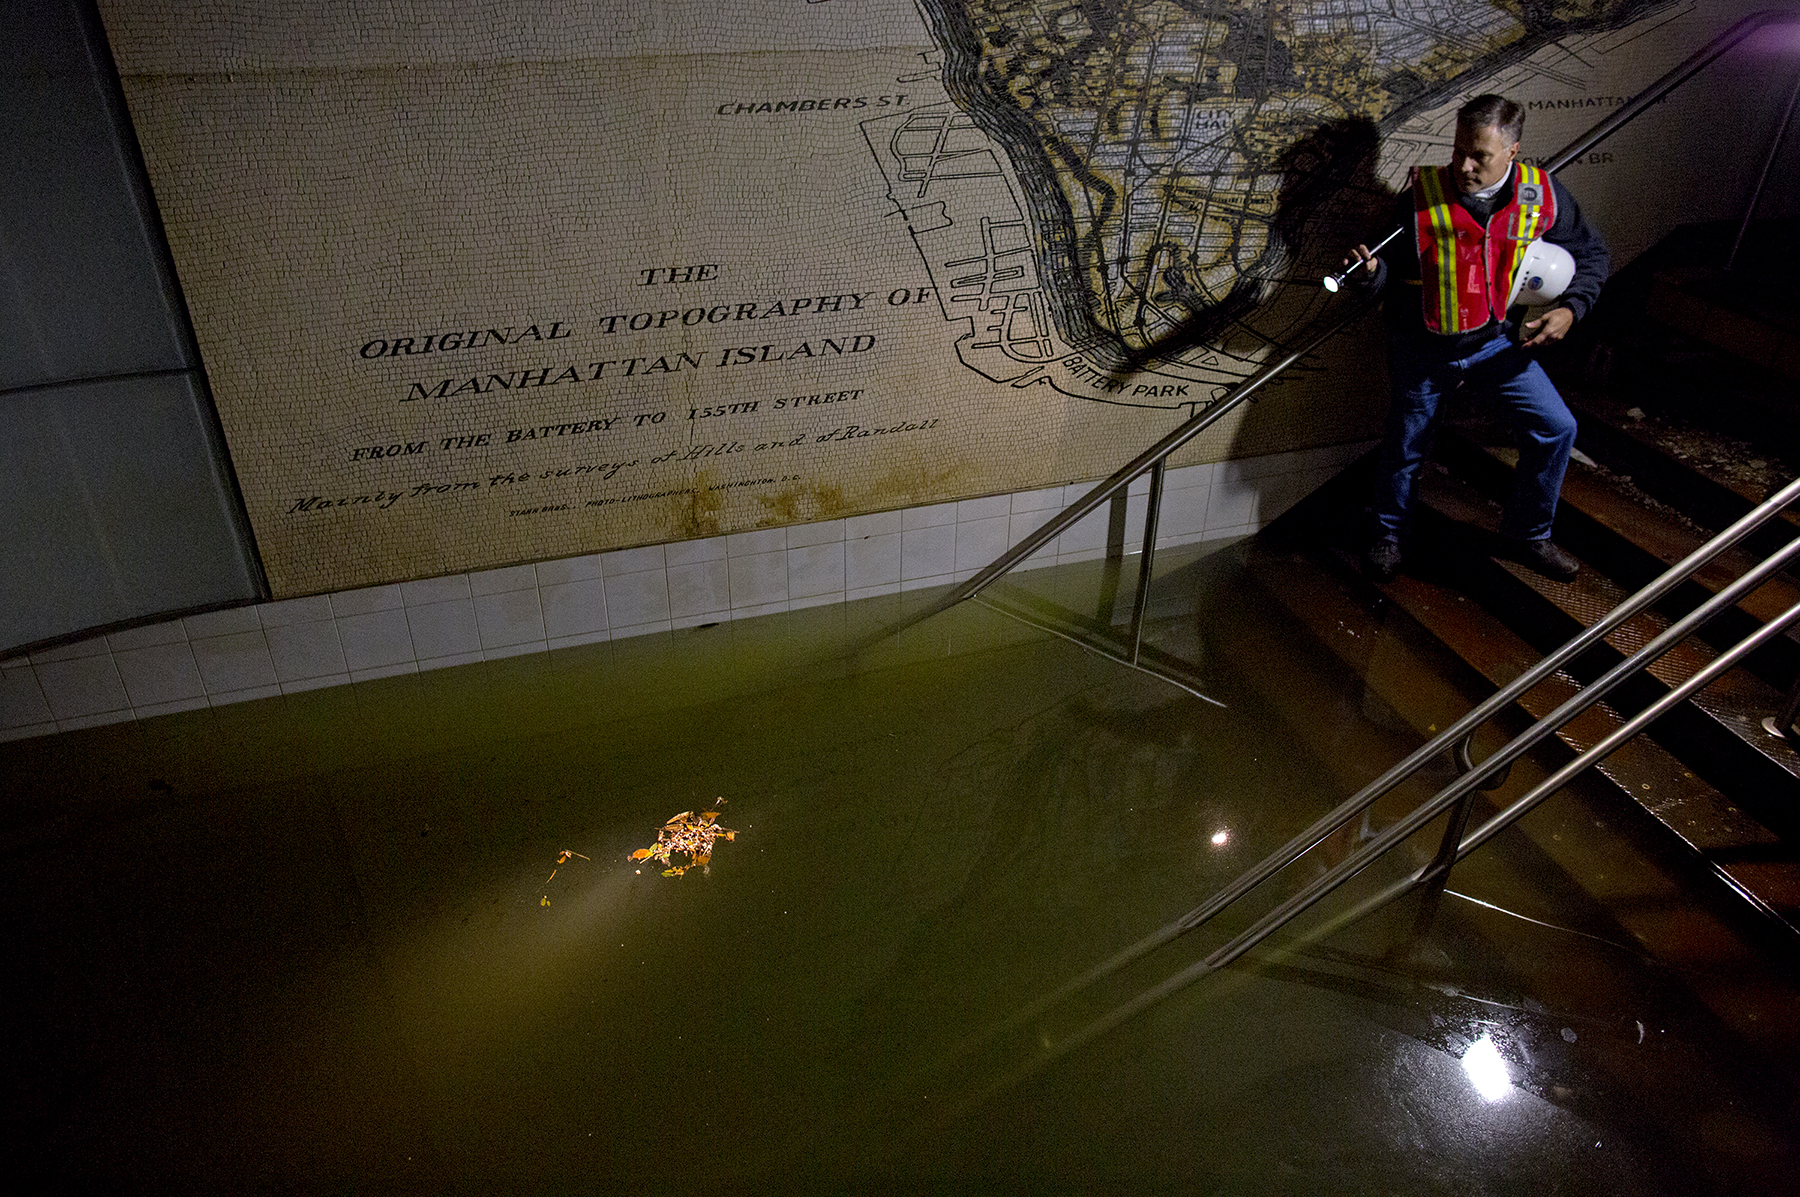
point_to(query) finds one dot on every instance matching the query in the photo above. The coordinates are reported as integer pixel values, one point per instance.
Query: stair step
(1718, 733)
(1720, 310)
(1750, 859)
(1634, 543)
(1748, 856)
(1713, 480)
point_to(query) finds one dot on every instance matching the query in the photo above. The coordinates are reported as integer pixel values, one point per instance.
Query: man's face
(1480, 158)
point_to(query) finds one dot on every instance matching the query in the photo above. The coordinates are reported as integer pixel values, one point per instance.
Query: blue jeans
(1543, 428)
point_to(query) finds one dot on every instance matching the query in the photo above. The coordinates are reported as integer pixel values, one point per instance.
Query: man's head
(1487, 141)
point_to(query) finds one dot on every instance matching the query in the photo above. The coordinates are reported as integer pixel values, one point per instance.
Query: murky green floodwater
(314, 944)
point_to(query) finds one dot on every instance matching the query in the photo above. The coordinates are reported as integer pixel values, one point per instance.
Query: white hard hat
(1544, 273)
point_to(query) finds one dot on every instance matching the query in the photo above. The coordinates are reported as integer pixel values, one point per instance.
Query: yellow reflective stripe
(1443, 229)
(1528, 221)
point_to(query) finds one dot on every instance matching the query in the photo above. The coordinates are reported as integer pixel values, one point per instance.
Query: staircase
(1682, 431)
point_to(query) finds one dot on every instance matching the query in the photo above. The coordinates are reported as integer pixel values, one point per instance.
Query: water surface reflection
(326, 956)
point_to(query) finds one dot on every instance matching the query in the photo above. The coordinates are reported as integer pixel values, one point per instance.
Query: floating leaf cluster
(689, 835)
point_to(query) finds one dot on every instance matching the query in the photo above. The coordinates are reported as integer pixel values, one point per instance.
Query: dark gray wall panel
(118, 510)
(119, 503)
(82, 291)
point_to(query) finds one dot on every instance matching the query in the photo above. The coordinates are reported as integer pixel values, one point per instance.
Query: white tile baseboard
(325, 640)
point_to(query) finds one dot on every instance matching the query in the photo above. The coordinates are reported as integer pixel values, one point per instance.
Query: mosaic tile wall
(300, 644)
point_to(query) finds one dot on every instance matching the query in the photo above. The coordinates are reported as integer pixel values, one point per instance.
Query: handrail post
(1762, 180)
(1438, 871)
(1781, 723)
(1123, 476)
(1147, 559)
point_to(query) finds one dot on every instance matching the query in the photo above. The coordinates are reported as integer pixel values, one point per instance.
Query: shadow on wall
(1329, 199)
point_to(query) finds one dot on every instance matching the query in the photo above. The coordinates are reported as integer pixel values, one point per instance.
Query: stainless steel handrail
(1693, 65)
(1459, 731)
(1586, 759)
(1125, 475)
(1446, 741)
(1388, 839)
(1367, 853)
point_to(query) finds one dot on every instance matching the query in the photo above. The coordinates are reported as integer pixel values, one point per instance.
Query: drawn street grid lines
(1168, 139)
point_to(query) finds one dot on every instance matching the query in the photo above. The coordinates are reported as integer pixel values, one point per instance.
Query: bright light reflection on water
(1487, 1071)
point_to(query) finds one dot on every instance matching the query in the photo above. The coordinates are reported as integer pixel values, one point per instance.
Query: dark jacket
(1398, 276)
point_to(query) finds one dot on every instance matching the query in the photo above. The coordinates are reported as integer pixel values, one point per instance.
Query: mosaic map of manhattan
(1178, 161)
(582, 276)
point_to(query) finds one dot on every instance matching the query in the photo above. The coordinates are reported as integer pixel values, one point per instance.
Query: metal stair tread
(1737, 701)
(1609, 430)
(1748, 857)
(1653, 532)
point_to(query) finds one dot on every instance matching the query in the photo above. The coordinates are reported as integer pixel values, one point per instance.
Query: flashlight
(1334, 281)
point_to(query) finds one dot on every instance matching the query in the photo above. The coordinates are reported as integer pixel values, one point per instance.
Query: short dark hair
(1492, 111)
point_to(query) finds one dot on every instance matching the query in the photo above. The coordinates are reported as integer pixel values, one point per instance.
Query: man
(1467, 226)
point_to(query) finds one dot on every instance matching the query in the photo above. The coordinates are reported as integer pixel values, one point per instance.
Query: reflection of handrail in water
(1099, 649)
(1444, 800)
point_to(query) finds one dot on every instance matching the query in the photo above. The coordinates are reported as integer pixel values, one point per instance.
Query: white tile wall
(375, 639)
(699, 592)
(759, 579)
(324, 640)
(445, 629)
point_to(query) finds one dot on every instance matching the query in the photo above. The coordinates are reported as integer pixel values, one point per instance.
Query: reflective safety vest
(1466, 272)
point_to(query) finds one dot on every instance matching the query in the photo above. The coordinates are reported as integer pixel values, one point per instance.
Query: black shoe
(1382, 560)
(1543, 557)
